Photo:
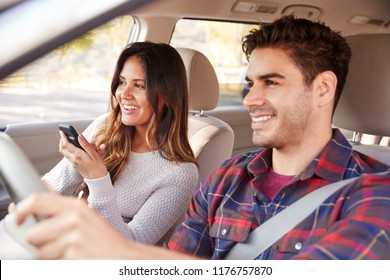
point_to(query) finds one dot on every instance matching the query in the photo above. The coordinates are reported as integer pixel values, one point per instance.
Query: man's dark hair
(313, 46)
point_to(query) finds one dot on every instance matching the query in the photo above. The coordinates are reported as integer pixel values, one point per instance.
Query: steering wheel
(20, 179)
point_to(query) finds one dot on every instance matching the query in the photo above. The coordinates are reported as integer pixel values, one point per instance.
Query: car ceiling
(347, 16)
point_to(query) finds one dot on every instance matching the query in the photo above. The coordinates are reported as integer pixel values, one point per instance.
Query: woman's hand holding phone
(88, 159)
(71, 134)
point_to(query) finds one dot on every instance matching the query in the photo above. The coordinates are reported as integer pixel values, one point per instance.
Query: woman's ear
(325, 87)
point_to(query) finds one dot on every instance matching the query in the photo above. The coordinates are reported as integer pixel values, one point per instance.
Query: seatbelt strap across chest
(276, 227)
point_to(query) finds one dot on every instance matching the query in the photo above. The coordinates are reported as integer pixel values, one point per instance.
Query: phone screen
(71, 134)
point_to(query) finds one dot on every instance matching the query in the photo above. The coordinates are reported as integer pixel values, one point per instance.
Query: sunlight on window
(72, 81)
(221, 43)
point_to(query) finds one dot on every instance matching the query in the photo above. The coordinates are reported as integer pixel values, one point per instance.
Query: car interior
(215, 132)
(211, 139)
(369, 67)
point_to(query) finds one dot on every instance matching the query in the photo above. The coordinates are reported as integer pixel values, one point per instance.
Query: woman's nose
(127, 92)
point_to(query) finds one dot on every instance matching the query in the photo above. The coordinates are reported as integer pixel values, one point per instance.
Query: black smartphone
(71, 134)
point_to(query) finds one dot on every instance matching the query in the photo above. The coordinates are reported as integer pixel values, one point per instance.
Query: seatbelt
(276, 227)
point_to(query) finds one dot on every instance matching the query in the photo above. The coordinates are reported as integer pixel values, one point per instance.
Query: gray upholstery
(381, 153)
(202, 81)
(364, 105)
(210, 138)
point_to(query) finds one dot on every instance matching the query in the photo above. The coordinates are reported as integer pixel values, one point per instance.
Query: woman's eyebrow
(135, 80)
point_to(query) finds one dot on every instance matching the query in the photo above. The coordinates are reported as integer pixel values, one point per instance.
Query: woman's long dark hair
(165, 80)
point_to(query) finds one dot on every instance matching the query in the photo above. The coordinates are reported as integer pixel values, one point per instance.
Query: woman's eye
(122, 83)
(139, 86)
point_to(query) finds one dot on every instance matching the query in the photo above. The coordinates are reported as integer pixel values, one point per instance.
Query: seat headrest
(203, 86)
(364, 102)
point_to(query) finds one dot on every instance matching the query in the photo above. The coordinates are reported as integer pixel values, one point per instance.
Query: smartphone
(71, 134)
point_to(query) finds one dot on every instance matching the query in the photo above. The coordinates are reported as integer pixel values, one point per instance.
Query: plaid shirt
(353, 223)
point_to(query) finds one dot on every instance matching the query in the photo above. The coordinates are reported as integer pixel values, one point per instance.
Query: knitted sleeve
(161, 210)
(64, 178)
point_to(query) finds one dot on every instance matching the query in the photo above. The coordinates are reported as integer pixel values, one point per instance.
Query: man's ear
(325, 87)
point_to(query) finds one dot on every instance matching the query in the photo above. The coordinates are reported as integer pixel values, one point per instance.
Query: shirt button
(224, 232)
(298, 246)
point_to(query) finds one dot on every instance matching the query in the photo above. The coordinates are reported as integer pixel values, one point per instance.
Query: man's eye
(270, 83)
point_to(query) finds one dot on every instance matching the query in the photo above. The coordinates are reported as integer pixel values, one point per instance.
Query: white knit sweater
(150, 195)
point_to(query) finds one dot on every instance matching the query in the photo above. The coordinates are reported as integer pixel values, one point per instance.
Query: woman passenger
(138, 168)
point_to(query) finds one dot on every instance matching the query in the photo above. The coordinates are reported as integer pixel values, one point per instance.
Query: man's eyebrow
(267, 76)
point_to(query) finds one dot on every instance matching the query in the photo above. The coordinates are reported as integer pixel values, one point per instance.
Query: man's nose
(254, 97)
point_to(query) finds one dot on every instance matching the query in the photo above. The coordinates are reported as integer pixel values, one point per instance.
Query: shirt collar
(261, 163)
(333, 160)
(330, 164)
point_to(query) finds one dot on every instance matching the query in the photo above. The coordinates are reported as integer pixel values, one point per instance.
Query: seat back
(211, 139)
(364, 105)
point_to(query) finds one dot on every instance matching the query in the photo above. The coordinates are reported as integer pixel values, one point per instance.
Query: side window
(70, 82)
(221, 43)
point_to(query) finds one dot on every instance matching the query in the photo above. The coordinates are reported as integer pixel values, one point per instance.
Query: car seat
(364, 105)
(211, 139)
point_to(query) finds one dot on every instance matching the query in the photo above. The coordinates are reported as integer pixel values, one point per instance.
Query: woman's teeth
(130, 107)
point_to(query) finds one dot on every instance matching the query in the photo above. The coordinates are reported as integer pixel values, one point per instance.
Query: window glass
(221, 43)
(72, 81)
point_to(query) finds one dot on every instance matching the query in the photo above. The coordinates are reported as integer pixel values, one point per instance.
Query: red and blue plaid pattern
(353, 223)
